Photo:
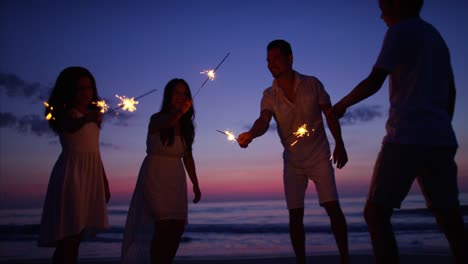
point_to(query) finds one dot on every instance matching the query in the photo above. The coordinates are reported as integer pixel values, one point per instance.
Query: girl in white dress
(78, 189)
(158, 211)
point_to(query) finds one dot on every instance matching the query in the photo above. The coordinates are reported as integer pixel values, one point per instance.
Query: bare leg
(67, 250)
(297, 234)
(166, 240)
(381, 233)
(451, 223)
(339, 228)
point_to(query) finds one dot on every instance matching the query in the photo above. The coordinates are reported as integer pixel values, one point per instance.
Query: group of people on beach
(420, 144)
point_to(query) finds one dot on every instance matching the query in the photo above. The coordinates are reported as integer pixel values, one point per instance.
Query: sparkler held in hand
(211, 74)
(128, 104)
(230, 136)
(102, 105)
(302, 131)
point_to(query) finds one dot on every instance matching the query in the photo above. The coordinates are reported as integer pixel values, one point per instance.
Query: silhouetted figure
(78, 190)
(159, 203)
(293, 100)
(420, 142)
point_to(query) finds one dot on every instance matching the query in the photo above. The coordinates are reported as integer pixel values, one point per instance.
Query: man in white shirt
(293, 100)
(420, 142)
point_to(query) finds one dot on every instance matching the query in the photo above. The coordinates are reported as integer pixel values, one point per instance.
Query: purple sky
(133, 47)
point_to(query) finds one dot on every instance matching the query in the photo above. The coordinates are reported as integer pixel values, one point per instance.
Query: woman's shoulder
(152, 126)
(155, 117)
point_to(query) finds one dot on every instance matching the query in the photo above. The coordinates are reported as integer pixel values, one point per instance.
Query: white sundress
(160, 194)
(75, 198)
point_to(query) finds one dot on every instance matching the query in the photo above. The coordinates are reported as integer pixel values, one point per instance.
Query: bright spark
(300, 132)
(230, 136)
(210, 73)
(49, 116)
(102, 105)
(127, 104)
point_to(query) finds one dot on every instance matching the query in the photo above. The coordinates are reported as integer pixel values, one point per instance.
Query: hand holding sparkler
(244, 139)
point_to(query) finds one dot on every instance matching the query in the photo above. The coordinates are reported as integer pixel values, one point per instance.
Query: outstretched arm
(340, 157)
(259, 128)
(363, 90)
(189, 164)
(71, 124)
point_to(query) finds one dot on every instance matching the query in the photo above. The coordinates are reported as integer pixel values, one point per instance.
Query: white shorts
(296, 180)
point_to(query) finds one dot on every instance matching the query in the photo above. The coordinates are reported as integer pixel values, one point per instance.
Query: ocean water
(240, 229)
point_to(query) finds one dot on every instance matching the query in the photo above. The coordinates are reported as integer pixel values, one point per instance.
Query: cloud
(25, 124)
(364, 113)
(37, 125)
(117, 118)
(14, 86)
(108, 145)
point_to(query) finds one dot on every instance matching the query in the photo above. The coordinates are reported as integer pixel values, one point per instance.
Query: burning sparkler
(128, 104)
(211, 73)
(229, 135)
(49, 116)
(102, 105)
(302, 131)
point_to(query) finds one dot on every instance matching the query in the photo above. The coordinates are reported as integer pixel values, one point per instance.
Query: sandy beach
(328, 259)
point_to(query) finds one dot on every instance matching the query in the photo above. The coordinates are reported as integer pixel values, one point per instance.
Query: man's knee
(375, 214)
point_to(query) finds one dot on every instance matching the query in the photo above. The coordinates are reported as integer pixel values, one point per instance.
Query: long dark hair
(186, 121)
(63, 94)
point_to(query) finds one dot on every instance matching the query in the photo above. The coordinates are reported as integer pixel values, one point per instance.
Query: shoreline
(364, 258)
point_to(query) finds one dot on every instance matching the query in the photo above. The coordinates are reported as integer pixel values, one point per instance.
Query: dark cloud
(364, 113)
(117, 118)
(26, 124)
(7, 120)
(14, 86)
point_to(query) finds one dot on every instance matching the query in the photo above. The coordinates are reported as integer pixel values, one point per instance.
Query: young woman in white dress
(78, 190)
(158, 211)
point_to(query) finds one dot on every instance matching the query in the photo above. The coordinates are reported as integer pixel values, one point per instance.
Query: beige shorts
(296, 180)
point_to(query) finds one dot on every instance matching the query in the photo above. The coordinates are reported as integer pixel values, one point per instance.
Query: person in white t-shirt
(420, 142)
(294, 100)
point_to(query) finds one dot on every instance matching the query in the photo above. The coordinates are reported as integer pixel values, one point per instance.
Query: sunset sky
(133, 47)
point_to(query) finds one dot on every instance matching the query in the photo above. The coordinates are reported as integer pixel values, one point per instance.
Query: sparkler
(211, 74)
(301, 132)
(102, 105)
(49, 116)
(128, 104)
(230, 136)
